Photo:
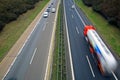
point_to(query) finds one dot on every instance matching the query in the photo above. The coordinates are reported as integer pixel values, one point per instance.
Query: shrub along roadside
(109, 33)
(11, 9)
(110, 10)
(14, 29)
(59, 61)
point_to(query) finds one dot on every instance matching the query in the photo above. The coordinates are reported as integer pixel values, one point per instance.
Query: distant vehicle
(49, 7)
(45, 15)
(105, 60)
(73, 6)
(53, 10)
(52, 3)
(48, 10)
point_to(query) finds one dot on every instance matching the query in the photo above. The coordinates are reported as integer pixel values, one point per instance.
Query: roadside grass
(110, 33)
(14, 30)
(55, 54)
(58, 66)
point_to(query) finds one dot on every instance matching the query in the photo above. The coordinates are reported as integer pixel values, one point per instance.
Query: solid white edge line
(71, 63)
(84, 25)
(22, 48)
(90, 66)
(77, 30)
(33, 55)
(114, 76)
(79, 14)
(46, 74)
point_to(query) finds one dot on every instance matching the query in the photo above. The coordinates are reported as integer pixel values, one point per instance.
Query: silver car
(45, 15)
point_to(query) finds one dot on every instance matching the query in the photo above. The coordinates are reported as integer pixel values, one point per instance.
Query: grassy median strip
(58, 67)
(13, 30)
(110, 33)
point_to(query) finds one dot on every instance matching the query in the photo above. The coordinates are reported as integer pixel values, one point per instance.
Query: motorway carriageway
(31, 61)
(84, 66)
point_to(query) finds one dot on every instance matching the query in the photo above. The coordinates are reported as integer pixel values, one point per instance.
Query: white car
(73, 6)
(53, 10)
(45, 15)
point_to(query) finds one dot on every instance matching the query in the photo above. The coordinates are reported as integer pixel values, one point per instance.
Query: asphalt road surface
(31, 62)
(84, 65)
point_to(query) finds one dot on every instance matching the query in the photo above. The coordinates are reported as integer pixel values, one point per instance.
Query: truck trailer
(105, 60)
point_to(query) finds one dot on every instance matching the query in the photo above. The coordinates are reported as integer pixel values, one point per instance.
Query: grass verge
(58, 67)
(13, 30)
(110, 33)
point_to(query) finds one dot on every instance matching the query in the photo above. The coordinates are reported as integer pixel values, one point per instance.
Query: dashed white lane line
(90, 66)
(114, 76)
(77, 30)
(33, 55)
(22, 47)
(72, 16)
(45, 26)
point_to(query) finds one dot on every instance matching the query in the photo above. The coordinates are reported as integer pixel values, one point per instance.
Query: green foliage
(110, 9)
(109, 33)
(88, 2)
(13, 30)
(11, 9)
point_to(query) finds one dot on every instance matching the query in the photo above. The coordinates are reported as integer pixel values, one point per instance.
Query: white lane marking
(90, 66)
(78, 13)
(80, 17)
(71, 63)
(45, 26)
(77, 30)
(114, 76)
(72, 16)
(33, 55)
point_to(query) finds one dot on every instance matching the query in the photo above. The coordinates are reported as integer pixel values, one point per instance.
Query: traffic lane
(79, 11)
(114, 75)
(81, 69)
(38, 66)
(92, 60)
(83, 41)
(84, 17)
(22, 60)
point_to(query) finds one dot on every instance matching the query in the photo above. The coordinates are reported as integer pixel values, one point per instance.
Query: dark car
(48, 10)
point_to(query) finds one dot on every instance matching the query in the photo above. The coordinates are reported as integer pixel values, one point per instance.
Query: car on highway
(73, 6)
(45, 15)
(48, 9)
(53, 10)
(52, 3)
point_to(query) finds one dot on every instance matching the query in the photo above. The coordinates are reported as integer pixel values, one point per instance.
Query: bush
(87, 2)
(1, 25)
(11, 9)
(110, 9)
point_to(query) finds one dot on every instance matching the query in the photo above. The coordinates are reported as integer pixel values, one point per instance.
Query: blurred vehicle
(104, 58)
(45, 15)
(48, 9)
(53, 10)
(73, 6)
(52, 3)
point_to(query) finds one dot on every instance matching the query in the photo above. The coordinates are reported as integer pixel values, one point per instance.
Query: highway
(31, 62)
(84, 65)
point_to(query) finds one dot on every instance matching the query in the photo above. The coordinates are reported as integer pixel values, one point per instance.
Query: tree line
(11, 9)
(110, 9)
